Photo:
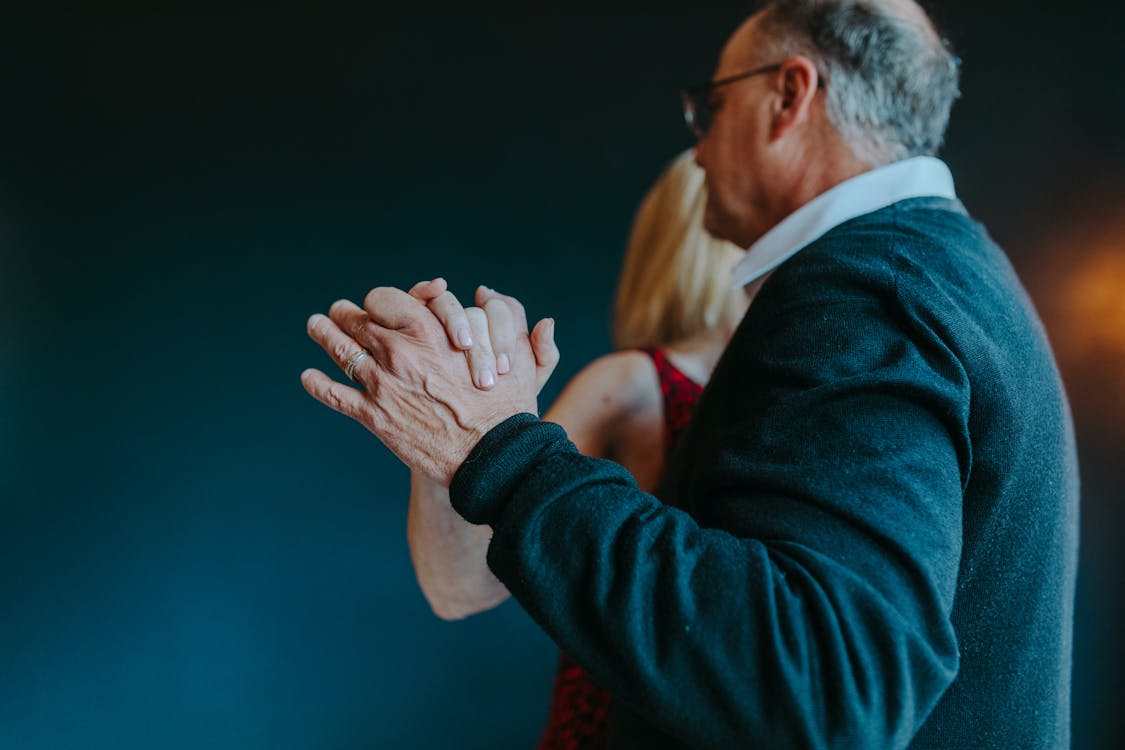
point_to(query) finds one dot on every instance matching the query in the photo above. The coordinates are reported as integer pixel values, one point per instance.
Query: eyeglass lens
(697, 112)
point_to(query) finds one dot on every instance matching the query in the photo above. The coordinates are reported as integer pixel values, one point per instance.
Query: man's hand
(418, 398)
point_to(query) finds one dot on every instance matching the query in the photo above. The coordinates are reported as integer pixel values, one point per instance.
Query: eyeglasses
(698, 111)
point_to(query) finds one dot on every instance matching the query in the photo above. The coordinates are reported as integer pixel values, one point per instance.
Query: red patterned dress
(578, 718)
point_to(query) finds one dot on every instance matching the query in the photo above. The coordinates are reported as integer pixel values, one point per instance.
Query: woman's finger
(485, 295)
(545, 349)
(482, 360)
(452, 316)
(502, 332)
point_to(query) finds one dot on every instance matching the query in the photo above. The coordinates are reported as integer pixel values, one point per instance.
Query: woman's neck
(697, 356)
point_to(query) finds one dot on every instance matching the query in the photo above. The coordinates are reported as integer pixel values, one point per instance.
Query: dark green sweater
(868, 534)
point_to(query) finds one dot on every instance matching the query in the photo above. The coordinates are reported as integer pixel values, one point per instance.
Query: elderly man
(867, 537)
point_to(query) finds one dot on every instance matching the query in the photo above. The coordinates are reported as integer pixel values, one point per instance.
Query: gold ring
(353, 360)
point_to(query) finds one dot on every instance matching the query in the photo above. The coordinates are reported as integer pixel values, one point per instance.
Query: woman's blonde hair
(675, 281)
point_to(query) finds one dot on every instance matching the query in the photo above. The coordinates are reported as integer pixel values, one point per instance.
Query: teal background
(193, 553)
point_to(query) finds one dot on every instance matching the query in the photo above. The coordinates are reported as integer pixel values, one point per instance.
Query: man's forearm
(717, 639)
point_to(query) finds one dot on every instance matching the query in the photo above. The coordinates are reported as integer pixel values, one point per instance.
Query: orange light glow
(1092, 304)
(1080, 290)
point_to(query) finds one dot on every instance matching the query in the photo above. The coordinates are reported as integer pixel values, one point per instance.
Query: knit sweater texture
(867, 537)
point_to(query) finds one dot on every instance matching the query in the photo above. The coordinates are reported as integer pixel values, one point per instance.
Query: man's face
(732, 151)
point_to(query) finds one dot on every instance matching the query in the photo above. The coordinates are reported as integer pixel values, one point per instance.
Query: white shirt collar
(917, 177)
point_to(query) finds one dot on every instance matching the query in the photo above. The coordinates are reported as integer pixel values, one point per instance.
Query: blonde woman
(673, 315)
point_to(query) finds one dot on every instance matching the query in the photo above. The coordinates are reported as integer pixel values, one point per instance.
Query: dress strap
(680, 393)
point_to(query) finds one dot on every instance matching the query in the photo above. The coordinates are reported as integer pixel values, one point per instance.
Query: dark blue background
(193, 553)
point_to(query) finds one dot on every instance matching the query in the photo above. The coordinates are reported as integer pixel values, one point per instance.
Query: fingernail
(503, 364)
(464, 337)
(314, 321)
(486, 378)
(551, 326)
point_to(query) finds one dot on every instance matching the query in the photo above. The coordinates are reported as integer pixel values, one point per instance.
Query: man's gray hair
(890, 78)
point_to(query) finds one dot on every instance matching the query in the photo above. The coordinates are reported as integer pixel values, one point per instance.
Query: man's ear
(797, 82)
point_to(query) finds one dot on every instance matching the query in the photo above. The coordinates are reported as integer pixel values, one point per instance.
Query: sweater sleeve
(805, 600)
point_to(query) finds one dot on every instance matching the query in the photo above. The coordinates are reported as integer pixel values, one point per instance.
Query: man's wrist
(482, 485)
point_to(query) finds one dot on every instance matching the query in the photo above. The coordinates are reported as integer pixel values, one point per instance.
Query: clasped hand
(435, 376)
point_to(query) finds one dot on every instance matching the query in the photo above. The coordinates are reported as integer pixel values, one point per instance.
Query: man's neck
(868, 191)
(821, 172)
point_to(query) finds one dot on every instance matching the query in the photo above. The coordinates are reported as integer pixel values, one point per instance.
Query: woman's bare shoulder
(602, 403)
(625, 379)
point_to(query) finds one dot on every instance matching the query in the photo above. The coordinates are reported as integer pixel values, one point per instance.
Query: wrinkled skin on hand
(418, 396)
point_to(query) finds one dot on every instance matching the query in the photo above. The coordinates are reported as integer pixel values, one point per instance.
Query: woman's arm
(448, 554)
(613, 401)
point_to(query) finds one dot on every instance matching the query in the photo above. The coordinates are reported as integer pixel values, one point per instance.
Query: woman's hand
(488, 333)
